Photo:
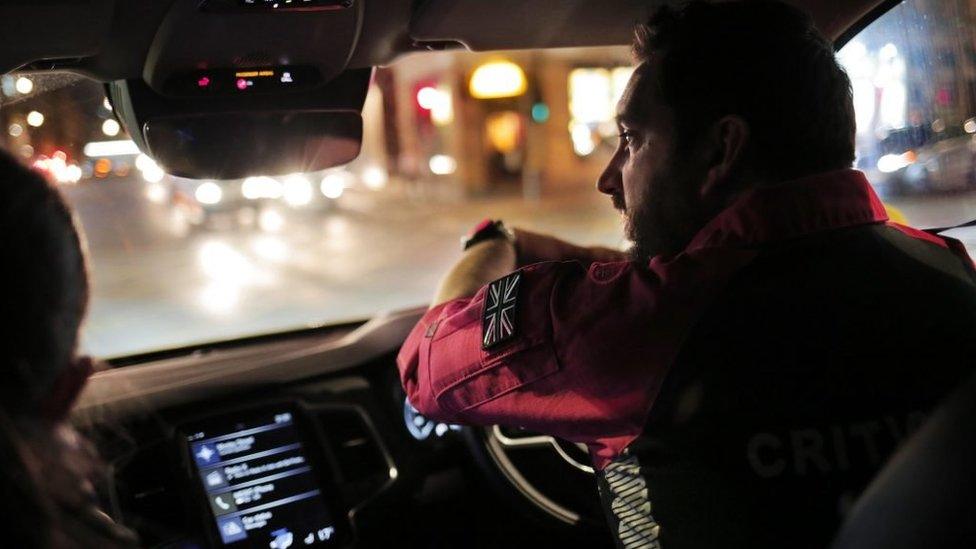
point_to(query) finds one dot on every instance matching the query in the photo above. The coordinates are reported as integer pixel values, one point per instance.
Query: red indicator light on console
(241, 84)
(203, 82)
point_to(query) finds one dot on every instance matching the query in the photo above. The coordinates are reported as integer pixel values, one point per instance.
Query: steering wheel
(550, 477)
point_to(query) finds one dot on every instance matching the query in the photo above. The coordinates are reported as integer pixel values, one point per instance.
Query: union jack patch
(499, 320)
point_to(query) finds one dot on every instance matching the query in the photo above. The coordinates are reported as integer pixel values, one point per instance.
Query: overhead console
(272, 96)
(316, 34)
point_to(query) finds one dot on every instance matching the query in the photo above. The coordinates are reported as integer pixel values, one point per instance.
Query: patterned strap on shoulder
(630, 505)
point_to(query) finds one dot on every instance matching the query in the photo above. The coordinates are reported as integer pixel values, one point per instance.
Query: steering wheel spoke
(525, 440)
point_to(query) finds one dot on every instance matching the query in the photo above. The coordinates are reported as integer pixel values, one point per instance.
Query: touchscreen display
(259, 482)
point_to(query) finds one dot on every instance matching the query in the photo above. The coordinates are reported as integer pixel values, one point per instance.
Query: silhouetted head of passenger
(725, 96)
(46, 467)
(44, 297)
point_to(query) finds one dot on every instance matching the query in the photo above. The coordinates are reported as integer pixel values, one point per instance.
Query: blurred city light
(497, 79)
(98, 149)
(24, 85)
(229, 271)
(297, 190)
(153, 174)
(590, 95)
(156, 193)
(969, 126)
(26, 151)
(270, 248)
(271, 221)
(540, 113)
(442, 164)
(583, 142)
(427, 97)
(107, 105)
(58, 169)
(223, 263)
(110, 128)
(619, 77)
(890, 78)
(35, 119)
(375, 177)
(209, 193)
(102, 167)
(143, 162)
(15, 130)
(8, 86)
(504, 130)
(219, 298)
(438, 102)
(151, 171)
(261, 186)
(332, 186)
(893, 162)
(73, 173)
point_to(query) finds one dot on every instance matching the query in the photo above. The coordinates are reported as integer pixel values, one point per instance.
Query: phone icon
(223, 504)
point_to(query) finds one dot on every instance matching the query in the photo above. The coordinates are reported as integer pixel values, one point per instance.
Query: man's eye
(626, 137)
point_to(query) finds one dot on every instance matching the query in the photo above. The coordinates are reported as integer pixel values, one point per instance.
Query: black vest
(791, 391)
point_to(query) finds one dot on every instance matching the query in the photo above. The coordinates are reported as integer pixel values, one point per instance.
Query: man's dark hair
(45, 287)
(762, 60)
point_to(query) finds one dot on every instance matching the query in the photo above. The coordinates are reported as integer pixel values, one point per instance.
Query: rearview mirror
(243, 132)
(236, 145)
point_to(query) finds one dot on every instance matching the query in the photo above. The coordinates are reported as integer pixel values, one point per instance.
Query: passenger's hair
(762, 60)
(49, 501)
(45, 287)
(46, 467)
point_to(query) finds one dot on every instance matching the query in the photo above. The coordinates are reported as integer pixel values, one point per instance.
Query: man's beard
(644, 232)
(664, 223)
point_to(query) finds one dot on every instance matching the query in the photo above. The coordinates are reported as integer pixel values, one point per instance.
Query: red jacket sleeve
(580, 367)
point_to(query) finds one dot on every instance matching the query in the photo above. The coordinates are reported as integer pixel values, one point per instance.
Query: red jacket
(586, 347)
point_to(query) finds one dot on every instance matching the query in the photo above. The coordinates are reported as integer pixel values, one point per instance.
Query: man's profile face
(654, 186)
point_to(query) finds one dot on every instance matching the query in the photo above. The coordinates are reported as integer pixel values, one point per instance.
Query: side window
(913, 74)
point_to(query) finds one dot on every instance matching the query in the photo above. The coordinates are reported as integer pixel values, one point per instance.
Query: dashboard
(307, 440)
(258, 455)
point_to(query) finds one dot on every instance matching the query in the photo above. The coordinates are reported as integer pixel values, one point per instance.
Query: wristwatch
(487, 229)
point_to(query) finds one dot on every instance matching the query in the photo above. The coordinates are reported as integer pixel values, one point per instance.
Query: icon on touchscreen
(215, 479)
(223, 504)
(205, 454)
(281, 539)
(326, 533)
(231, 530)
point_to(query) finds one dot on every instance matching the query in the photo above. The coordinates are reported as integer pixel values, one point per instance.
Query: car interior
(357, 465)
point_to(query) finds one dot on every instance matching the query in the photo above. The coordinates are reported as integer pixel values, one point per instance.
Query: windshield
(177, 262)
(450, 138)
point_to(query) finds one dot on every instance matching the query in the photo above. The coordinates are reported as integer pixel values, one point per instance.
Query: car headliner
(116, 39)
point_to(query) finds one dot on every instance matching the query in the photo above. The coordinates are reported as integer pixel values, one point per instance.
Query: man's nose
(610, 180)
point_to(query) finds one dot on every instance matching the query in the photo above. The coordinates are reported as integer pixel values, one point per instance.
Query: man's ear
(66, 388)
(728, 139)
